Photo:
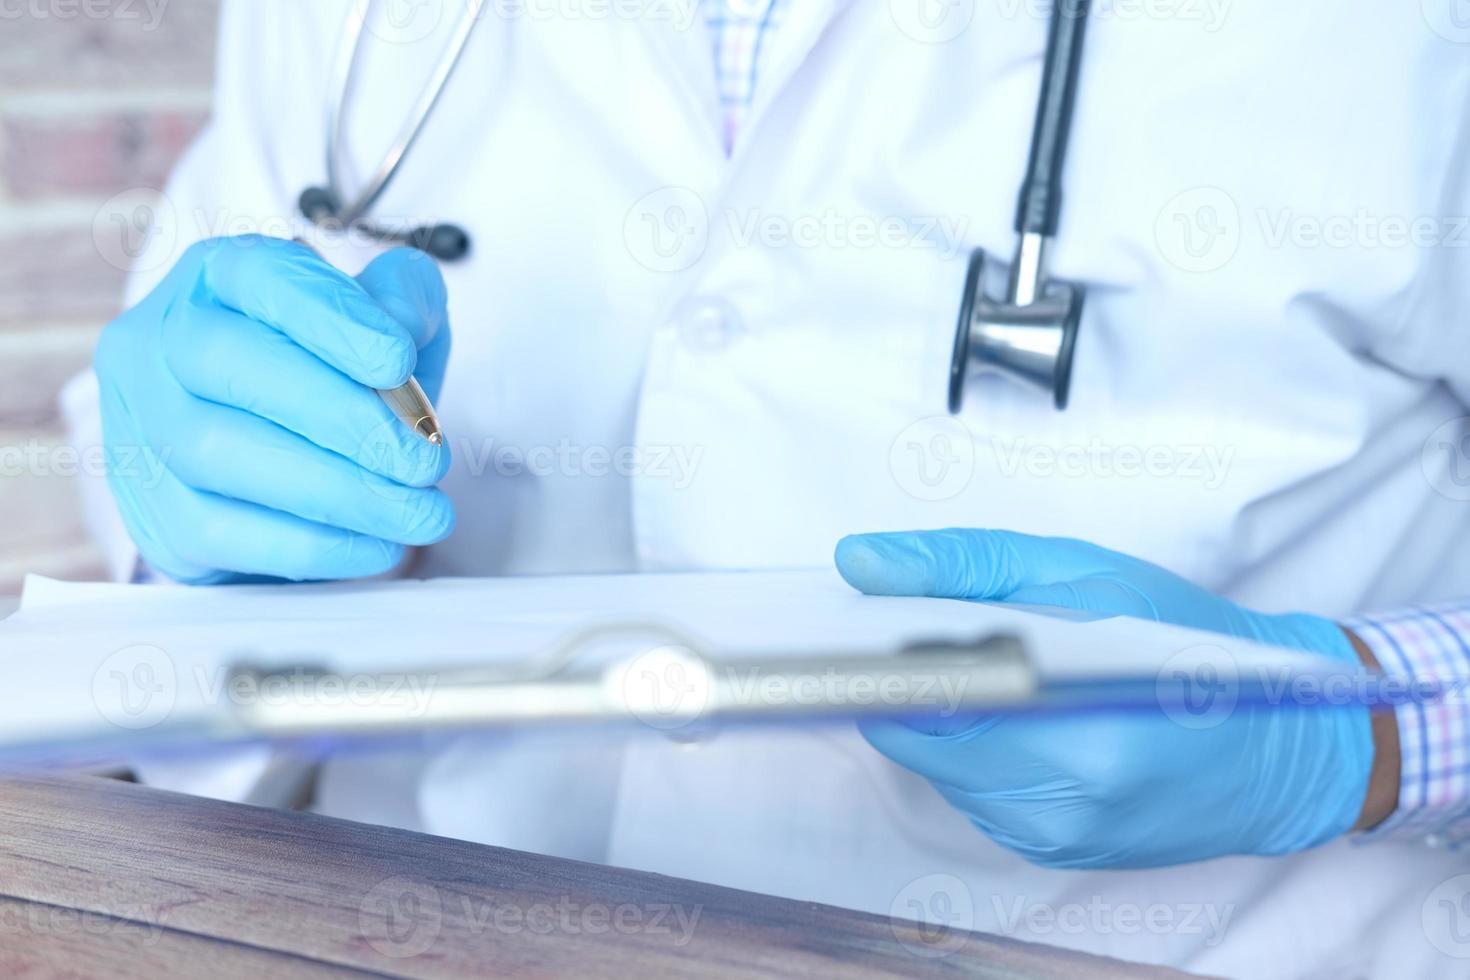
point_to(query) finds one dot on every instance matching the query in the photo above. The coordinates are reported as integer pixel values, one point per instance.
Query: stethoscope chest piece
(1031, 335)
(1031, 343)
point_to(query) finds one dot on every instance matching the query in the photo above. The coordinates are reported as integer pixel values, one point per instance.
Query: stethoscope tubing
(343, 84)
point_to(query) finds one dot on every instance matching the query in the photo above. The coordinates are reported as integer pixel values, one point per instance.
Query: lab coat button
(707, 323)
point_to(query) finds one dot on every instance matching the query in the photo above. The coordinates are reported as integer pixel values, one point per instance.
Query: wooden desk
(105, 878)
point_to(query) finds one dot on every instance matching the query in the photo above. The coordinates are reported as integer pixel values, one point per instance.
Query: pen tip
(428, 427)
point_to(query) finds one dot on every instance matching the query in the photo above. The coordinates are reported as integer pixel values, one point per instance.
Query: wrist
(1314, 634)
(1382, 797)
(1338, 762)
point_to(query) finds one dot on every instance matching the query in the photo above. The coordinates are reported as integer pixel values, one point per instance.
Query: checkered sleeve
(1431, 646)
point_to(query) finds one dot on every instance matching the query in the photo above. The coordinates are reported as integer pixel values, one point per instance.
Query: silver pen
(413, 408)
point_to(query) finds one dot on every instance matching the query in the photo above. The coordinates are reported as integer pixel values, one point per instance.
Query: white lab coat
(1250, 409)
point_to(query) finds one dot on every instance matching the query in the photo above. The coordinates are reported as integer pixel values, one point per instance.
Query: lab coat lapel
(802, 26)
(685, 45)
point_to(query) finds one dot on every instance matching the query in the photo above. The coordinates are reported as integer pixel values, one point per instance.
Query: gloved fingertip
(390, 363)
(410, 287)
(366, 557)
(406, 261)
(438, 520)
(878, 564)
(891, 737)
(432, 463)
(430, 277)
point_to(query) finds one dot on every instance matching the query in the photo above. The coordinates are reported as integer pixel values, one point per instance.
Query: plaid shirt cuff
(1428, 644)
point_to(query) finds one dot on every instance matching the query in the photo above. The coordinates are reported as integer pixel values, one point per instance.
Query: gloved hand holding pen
(248, 376)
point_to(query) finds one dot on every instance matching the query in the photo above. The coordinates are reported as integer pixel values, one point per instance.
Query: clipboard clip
(673, 682)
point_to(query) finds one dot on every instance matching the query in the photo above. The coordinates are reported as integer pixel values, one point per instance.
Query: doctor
(706, 323)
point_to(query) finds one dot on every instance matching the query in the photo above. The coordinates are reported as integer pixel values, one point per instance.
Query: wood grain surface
(105, 878)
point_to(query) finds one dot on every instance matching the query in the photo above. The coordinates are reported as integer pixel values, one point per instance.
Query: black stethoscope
(1030, 336)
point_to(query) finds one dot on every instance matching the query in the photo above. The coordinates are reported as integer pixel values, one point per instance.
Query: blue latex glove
(1120, 790)
(243, 436)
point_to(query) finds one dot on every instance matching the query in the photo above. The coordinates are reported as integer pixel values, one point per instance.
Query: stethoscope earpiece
(447, 243)
(318, 205)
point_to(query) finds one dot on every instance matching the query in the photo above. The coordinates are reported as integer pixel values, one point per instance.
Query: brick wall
(97, 97)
